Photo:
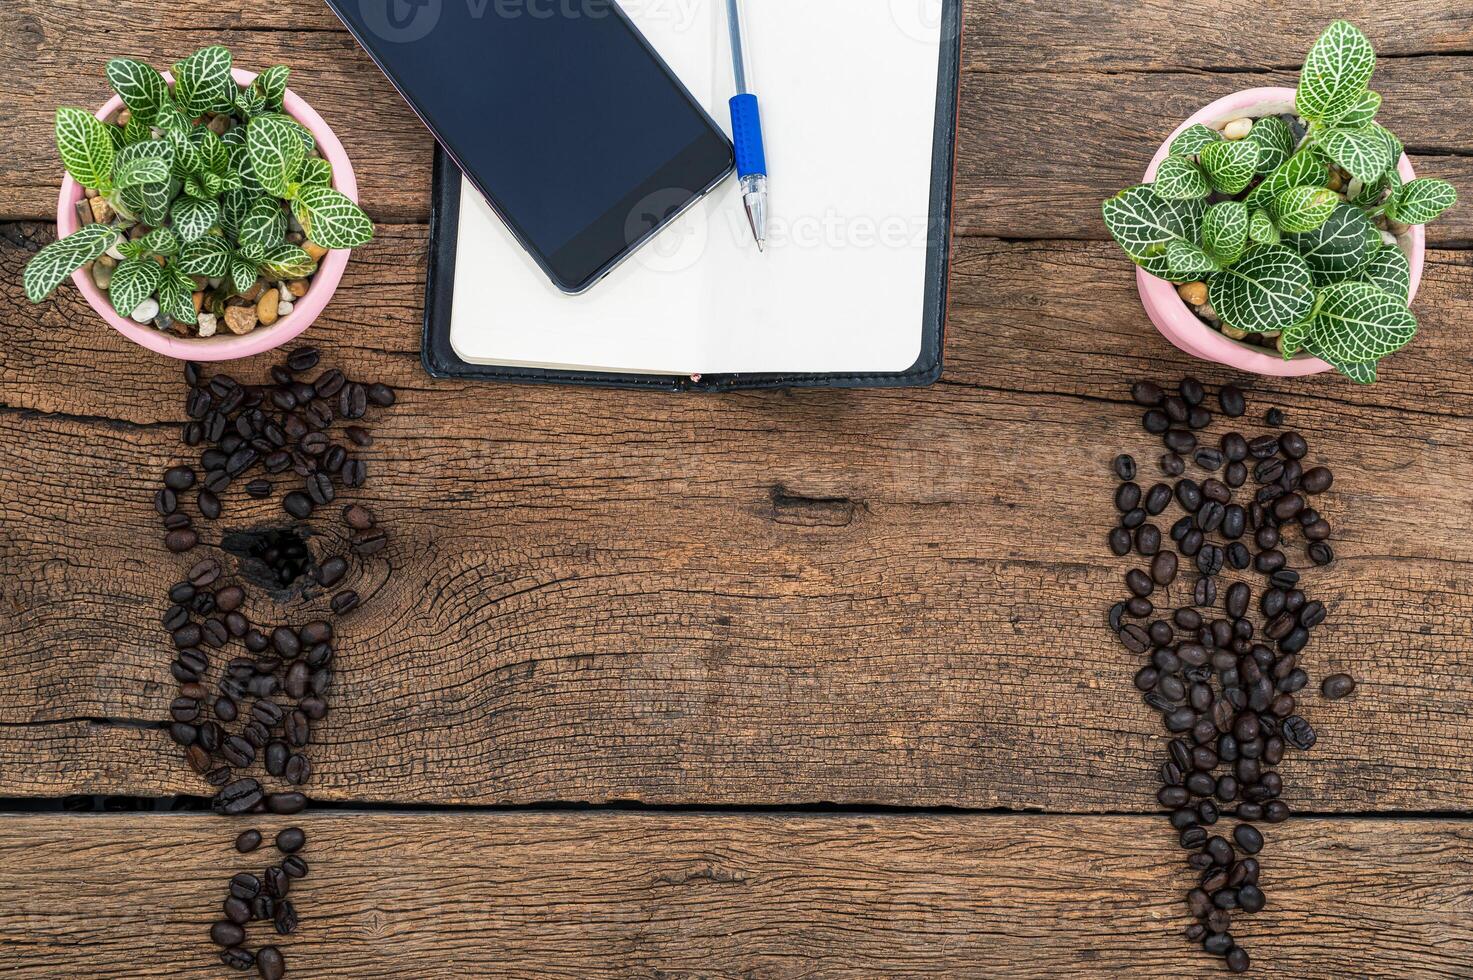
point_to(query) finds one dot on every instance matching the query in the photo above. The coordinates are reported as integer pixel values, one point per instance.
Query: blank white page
(849, 106)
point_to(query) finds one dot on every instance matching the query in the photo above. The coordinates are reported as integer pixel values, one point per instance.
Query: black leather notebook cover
(441, 361)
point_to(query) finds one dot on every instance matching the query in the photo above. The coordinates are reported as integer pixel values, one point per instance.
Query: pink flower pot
(225, 346)
(1175, 319)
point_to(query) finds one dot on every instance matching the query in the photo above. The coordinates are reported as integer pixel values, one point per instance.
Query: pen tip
(761, 245)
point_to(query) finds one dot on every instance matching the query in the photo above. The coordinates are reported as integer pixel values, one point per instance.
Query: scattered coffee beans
(1224, 685)
(274, 698)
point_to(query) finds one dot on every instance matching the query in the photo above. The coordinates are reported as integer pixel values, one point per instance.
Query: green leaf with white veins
(1189, 262)
(1363, 152)
(202, 82)
(1179, 179)
(1275, 142)
(1304, 169)
(263, 226)
(1268, 290)
(1339, 248)
(156, 199)
(1364, 374)
(188, 160)
(148, 165)
(1390, 271)
(1364, 111)
(243, 273)
(315, 172)
(308, 140)
(1302, 209)
(1421, 201)
(48, 267)
(275, 152)
(214, 154)
(162, 241)
(141, 87)
(194, 218)
(207, 256)
(333, 221)
(133, 282)
(1262, 230)
(1357, 323)
(1336, 72)
(86, 148)
(287, 261)
(1140, 221)
(1230, 165)
(1225, 231)
(1192, 139)
(271, 83)
(176, 295)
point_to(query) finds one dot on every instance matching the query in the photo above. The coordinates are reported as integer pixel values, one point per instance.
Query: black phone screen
(558, 111)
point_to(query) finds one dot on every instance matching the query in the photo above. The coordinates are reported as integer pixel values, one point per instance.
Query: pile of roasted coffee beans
(265, 702)
(1224, 685)
(261, 898)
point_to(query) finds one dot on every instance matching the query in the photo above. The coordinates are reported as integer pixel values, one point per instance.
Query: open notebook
(859, 108)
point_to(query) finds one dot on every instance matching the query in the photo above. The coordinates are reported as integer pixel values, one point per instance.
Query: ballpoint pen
(746, 130)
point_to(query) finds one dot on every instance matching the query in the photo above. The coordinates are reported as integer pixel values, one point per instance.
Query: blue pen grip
(746, 136)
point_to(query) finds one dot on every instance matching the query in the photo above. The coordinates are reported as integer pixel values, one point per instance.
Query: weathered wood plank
(1044, 133)
(1217, 36)
(605, 895)
(1042, 149)
(888, 597)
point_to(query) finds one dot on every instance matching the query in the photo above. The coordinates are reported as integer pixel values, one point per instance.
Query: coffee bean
(298, 769)
(295, 866)
(1127, 497)
(238, 752)
(1139, 607)
(345, 601)
(371, 542)
(179, 478)
(248, 841)
(319, 488)
(1337, 686)
(1230, 399)
(181, 540)
(1321, 553)
(1317, 480)
(1135, 639)
(1180, 441)
(291, 840)
(1189, 494)
(270, 963)
(1147, 393)
(1299, 733)
(381, 394)
(286, 804)
(1205, 591)
(204, 573)
(1124, 466)
(1163, 568)
(1148, 540)
(298, 729)
(1269, 561)
(1120, 542)
(353, 401)
(285, 919)
(297, 504)
(1157, 499)
(355, 473)
(245, 885)
(238, 797)
(227, 933)
(1248, 839)
(1173, 465)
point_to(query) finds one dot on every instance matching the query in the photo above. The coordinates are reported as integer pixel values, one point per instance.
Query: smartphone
(559, 112)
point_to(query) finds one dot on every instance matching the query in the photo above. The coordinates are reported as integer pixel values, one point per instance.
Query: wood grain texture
(1050, 119)
(693, 895)
(887, 597)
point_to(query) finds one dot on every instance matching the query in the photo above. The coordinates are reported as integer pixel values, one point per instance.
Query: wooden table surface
(763, 685)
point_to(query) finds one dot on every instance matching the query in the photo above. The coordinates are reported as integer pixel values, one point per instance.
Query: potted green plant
(1280, 229)
(206, 213)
